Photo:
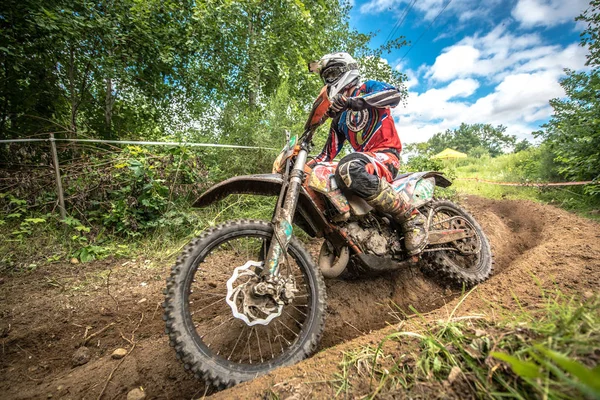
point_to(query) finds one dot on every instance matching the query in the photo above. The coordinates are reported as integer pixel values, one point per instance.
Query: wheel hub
(244, 301)
(467, 246)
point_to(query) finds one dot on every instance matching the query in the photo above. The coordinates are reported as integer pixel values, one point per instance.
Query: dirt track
(46, 315)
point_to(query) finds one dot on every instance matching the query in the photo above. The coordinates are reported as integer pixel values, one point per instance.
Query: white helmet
(337, 70)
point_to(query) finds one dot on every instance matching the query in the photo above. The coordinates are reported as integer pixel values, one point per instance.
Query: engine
(374, 236)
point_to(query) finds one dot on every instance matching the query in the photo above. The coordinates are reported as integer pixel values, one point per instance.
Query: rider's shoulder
(374, 86)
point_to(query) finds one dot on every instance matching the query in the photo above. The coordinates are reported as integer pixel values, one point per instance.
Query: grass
(52, 241)
(549, 353)
(522, 167)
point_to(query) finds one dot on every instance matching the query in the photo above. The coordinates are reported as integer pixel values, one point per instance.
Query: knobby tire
(190, 348)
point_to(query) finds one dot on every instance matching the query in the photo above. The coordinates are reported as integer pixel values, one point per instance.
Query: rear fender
(417, 188)
(308, 216)
(440, 179)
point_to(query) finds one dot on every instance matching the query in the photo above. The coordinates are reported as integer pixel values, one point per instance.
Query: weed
(532, 165)
(545, 353)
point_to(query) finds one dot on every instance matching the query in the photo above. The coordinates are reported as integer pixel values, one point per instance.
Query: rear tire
(189, 330)
(460, 268)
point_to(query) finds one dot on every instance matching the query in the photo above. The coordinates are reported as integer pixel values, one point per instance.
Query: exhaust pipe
(330, 267)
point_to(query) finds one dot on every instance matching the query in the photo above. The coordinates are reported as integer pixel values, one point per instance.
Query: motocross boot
(388, 201)
(415, 233)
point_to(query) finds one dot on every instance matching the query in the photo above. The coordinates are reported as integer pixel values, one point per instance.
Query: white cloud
(521, 74)
(412, 78)
(459, 60)
(530, 13)
(464, 10)
(500, 53)
(519, 97)
(518, 73)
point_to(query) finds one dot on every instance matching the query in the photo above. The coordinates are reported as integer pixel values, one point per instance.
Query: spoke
(270, 345)
(236, 342)
(247, 252)
(221, 324)
(288, 314)
(287, 327)
(220, 330)
(299, 310)
(212, 304)
(279, 336)
(258, 342)
(248, 345)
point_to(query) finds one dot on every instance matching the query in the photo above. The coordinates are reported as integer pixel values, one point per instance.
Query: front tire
(465, 261)
(218, 347)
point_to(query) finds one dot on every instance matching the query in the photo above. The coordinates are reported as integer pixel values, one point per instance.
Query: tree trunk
(254, 67)
(72, 94)
(109, 102)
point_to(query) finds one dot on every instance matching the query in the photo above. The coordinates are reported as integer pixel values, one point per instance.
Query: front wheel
(467, 260)
(221, 330)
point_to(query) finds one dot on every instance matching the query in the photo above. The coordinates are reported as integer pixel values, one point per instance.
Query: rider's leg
(367, 177)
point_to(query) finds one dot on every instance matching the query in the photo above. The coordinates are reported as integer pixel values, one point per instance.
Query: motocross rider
(360, 113)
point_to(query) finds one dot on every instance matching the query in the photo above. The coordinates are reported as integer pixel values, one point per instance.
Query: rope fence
(528, 184)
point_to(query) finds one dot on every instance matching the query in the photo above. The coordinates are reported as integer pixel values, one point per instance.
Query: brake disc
(252, 309)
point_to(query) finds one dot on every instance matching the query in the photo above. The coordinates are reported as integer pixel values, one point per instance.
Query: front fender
(263, 185)
(308, 216)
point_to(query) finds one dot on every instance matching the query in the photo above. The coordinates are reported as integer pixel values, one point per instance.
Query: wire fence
(138, 143)
(22, 174)
(73, 170)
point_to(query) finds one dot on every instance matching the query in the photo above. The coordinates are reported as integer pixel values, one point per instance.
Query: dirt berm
(46, 315)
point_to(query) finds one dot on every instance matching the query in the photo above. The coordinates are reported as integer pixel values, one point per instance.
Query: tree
(573, 132)
(147, 69)
(590, 36)
(522, 145)
(466, 138)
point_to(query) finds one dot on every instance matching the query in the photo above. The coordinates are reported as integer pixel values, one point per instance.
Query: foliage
(536, 164)
(522, 145)
(573, 132)
(546, 352)
(589, 37)
(131, 69)
(477, 138)
(424, 163)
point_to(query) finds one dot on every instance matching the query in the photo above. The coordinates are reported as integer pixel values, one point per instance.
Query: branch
(123, 359)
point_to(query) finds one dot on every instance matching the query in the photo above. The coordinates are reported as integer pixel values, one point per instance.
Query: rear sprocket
(467, 260)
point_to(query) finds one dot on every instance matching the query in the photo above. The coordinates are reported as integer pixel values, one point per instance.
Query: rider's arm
(379, 95)
(332, 147)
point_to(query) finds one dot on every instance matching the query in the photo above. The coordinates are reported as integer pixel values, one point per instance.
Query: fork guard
(308, 216)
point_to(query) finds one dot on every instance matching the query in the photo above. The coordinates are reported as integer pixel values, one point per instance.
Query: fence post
(59, 189)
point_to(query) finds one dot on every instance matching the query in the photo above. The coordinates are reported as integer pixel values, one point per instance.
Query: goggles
(331, 74)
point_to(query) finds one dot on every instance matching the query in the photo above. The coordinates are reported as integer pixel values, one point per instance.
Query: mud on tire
(467, 269)
(204, 267)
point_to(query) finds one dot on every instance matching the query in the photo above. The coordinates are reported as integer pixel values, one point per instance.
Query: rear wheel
(221, 330)
(467, 260)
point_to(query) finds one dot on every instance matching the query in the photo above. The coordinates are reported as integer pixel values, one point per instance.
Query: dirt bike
(246, 297)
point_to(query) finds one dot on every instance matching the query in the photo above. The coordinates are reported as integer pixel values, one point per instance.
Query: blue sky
(480, 61)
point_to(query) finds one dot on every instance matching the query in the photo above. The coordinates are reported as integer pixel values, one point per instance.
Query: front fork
(282, 221)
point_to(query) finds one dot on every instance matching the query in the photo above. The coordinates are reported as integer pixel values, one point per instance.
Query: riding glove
(339, 104)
